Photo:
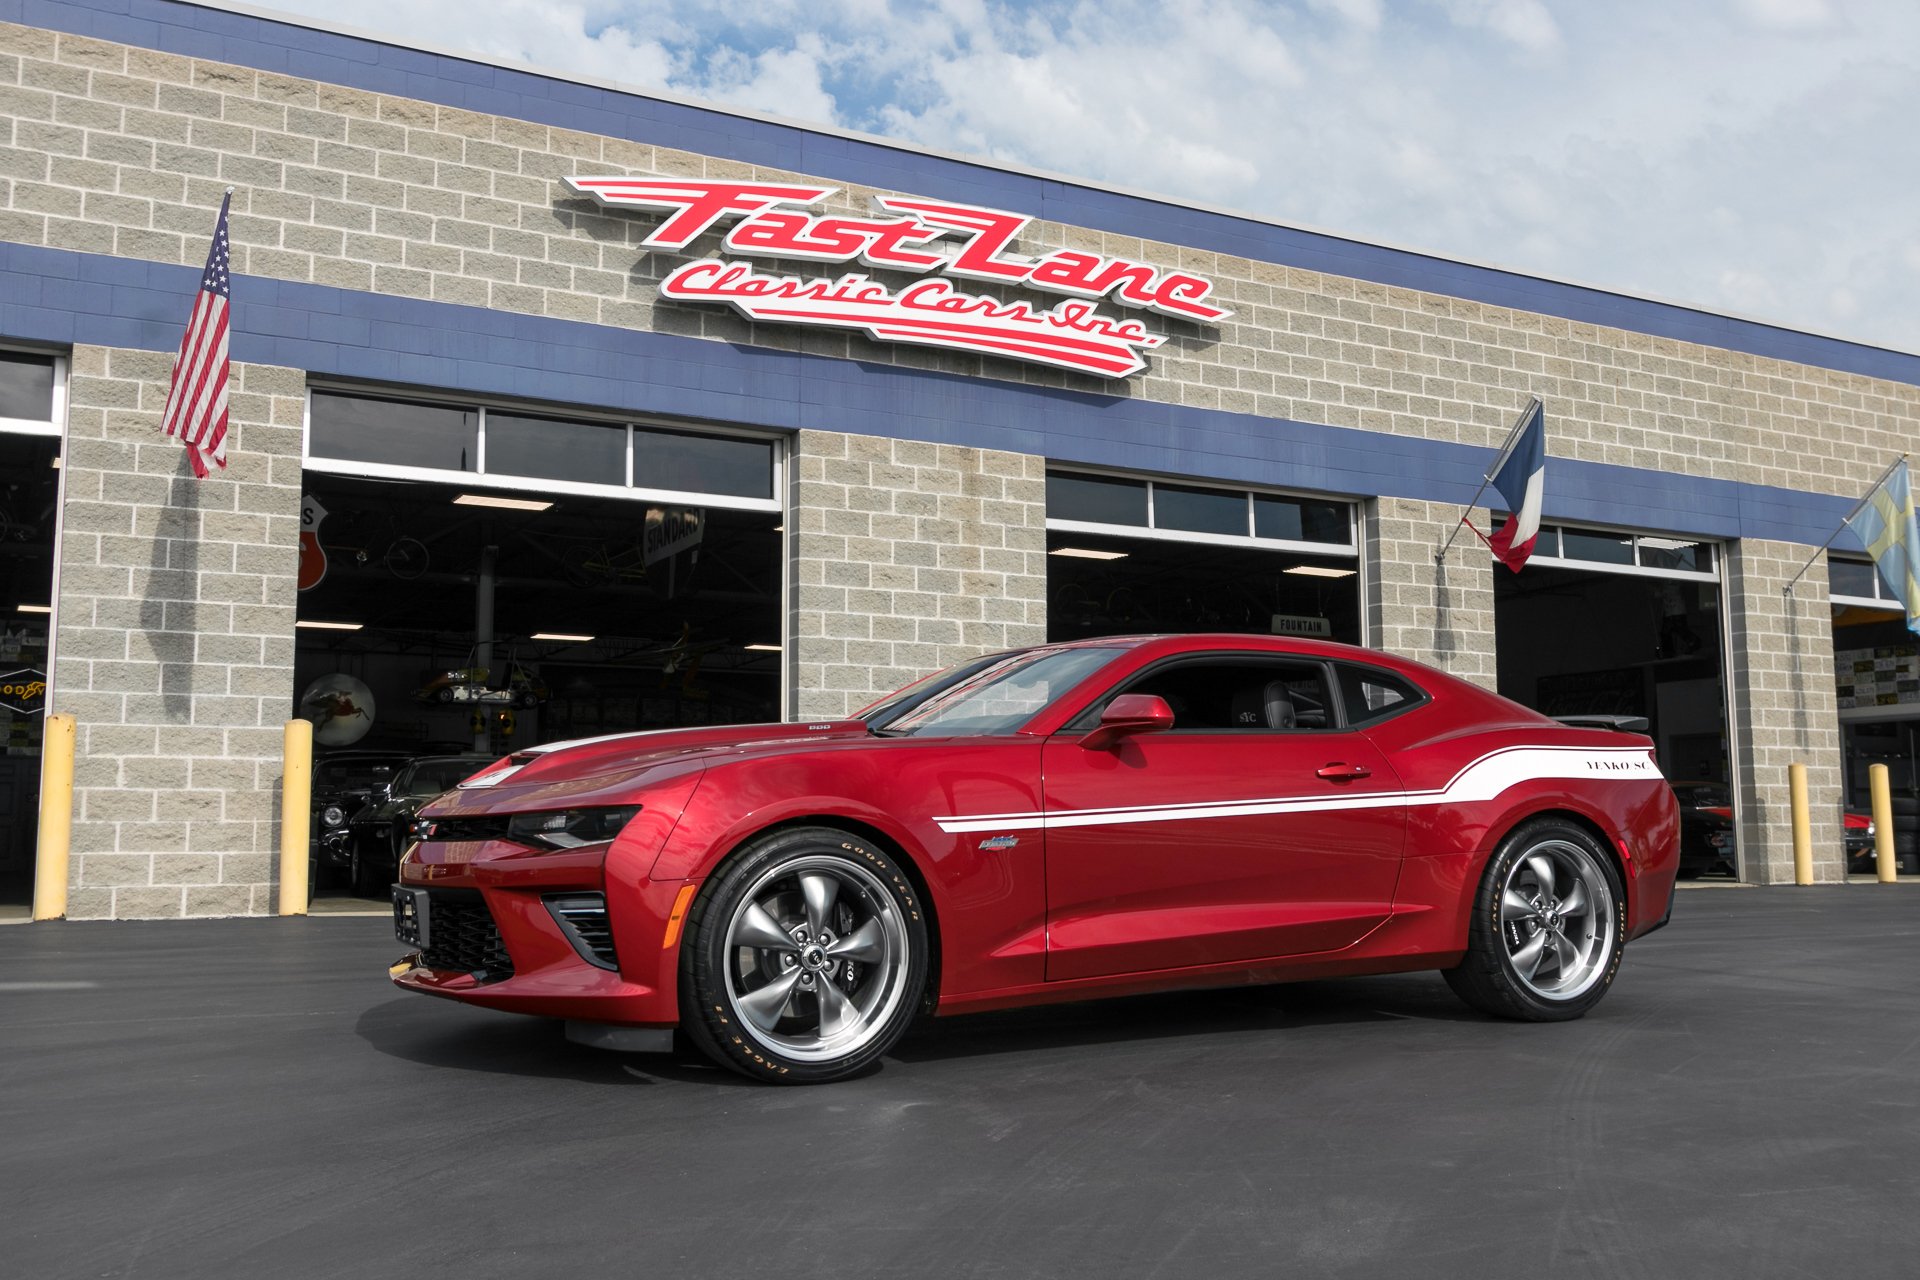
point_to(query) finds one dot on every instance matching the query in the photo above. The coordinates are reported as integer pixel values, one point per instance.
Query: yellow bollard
(296, 814)
(56, 819)
(1802, 824)
(1882, 792)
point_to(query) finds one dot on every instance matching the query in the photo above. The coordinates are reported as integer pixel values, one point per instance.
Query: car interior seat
(1267, 706)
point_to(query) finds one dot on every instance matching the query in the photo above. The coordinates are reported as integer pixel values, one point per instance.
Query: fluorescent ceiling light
(1087, 553)
(1668, 544)
(56, 462)
(764, 648)
(36, 608)
(489, 500)
(557, 635)
(1320, 571)
(312, 625)
(779, 528)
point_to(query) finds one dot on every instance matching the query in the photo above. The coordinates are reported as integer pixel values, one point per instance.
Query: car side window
(1234, 694)
(1371, 695)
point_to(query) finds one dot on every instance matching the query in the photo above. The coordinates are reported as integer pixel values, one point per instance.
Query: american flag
(197, 400)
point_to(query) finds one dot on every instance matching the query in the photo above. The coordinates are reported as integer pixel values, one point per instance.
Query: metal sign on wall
(949, 242)
(24, 691)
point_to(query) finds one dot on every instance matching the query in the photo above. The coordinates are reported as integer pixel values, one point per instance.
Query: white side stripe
(1482, 780)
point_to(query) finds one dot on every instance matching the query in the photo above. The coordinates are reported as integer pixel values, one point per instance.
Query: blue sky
(1757, 157)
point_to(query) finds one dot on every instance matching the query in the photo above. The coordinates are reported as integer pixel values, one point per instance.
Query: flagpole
(1499, 461)
(1821, 549)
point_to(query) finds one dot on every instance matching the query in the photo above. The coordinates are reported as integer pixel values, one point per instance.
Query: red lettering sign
(777, 220)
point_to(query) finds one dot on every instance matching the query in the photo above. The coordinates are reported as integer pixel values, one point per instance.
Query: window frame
(1334, 550)
(481, 478)
(1549, 553)
(1087, 718)
(54, 425)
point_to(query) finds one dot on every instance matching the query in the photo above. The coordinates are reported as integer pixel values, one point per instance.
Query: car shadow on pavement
(510, 1044)
(1421, 997)
(537, 1048)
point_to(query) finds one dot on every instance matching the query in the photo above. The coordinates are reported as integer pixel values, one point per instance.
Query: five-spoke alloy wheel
(806, 958)
(1548, 925)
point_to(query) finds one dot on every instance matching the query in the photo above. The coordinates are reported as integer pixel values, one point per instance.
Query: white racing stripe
(1482, 780)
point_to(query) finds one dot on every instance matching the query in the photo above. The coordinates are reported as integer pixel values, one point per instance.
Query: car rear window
(1371, 695)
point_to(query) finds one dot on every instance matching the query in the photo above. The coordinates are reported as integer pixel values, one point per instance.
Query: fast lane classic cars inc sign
(917, 236)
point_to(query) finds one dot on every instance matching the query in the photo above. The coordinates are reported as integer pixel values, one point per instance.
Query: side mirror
(1126, 715)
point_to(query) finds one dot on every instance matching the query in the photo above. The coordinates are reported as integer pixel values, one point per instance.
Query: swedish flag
(1885, 523)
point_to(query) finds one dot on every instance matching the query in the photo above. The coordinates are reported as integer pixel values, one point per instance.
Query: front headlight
(332, 816)
(1870, 829)
(570, 828)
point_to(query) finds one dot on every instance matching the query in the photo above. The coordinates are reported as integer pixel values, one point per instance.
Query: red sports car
(1056, 823)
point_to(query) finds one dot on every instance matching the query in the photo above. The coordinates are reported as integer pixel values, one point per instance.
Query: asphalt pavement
(250, 1098)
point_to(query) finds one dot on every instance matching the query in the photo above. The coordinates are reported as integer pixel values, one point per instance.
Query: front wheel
(1549, 922)
(805, 958)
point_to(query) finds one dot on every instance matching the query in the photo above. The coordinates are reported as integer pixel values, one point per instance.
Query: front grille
(583, 918)
(451, 830)
(464, 937)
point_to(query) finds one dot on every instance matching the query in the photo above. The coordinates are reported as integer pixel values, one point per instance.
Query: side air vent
(583, 918)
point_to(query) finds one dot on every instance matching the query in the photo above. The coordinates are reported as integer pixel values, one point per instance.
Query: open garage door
(476, 580)
(1623, 624)
(32, 409)
(1876, 668)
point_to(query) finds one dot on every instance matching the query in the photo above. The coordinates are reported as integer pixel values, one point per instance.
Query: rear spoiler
(1622, 724)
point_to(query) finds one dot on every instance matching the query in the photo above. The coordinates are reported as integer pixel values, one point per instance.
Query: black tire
(1490, 979)
(444, 694)
(1903, 806)
(772, 883)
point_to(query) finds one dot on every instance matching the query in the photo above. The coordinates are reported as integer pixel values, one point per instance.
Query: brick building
(510, 451)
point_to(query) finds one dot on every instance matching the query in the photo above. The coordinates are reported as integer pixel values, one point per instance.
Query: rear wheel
(805, 958)
(1549, 922)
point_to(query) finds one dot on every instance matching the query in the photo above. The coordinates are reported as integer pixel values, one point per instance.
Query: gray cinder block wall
(174, 645)
(1780, 681)
(907, 557)
(1439, 613)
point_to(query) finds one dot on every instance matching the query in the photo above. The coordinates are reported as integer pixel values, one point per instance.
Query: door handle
(1342, 772)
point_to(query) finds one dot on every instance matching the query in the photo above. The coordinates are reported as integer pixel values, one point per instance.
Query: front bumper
(550, 971)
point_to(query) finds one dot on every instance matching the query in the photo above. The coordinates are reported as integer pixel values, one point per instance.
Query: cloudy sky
(1758, 157)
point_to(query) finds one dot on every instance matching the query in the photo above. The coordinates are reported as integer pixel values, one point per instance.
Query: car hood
(574, 772)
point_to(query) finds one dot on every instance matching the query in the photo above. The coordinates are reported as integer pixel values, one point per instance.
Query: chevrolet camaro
(1057, 823)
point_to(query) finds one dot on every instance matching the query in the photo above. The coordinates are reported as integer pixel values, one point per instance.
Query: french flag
(1522, 481)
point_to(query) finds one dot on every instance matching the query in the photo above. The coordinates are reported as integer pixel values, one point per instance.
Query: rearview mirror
(1126, 715)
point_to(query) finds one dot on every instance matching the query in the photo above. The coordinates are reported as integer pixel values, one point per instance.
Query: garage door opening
(1130, 556)
(446, 620)
(1602, 624)
(1876, 668)
(32, 405)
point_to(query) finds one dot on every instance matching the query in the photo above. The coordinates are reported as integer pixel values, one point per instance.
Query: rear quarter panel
(1472, 780)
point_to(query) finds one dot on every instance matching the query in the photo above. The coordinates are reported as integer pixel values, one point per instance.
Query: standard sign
(910, 235)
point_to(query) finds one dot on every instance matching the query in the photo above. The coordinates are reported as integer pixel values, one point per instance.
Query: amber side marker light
(678, 916)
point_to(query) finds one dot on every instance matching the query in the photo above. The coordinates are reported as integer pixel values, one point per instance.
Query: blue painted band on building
(292, 50)
(61, 297)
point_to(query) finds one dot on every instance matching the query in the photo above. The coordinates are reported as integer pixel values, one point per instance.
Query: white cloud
(1750, 156)
(1523, 22)
(1787, 15)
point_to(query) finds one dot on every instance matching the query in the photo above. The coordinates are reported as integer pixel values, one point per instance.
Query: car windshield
(341, 775)
(431, 777)
(989, 696)
(1702, 795)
